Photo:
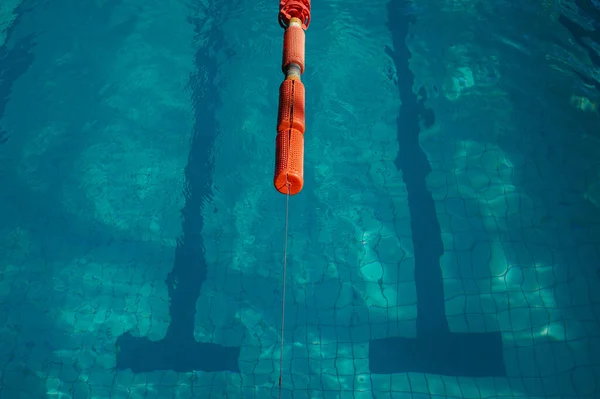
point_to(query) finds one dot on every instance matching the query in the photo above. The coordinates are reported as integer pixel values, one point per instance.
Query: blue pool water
(446, 243)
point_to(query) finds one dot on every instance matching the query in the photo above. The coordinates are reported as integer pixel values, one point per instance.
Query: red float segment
(289, 9)
(293, 47)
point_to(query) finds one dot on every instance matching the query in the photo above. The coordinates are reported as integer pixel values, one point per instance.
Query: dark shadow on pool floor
(179, 351)
(14, 62)
(435, 350)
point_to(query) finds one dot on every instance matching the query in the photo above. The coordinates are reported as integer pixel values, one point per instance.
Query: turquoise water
(446, 243)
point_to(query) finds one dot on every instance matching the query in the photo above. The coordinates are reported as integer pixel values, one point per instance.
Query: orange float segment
(289, 154)
(293, 47)
(289, 162)
(291, 113)
(294, 17)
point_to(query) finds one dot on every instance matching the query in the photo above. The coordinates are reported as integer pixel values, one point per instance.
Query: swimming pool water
(446, 243)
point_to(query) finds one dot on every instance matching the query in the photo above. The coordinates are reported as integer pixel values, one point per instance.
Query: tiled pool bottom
(61, 320)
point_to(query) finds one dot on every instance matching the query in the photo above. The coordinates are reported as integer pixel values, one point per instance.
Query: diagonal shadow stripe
(14, 62)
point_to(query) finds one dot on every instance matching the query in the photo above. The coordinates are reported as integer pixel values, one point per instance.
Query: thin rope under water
(285, 243)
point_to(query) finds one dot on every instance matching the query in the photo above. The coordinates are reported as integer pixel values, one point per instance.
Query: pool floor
(446, 245)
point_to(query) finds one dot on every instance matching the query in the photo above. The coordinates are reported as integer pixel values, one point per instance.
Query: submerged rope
(285, 244)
